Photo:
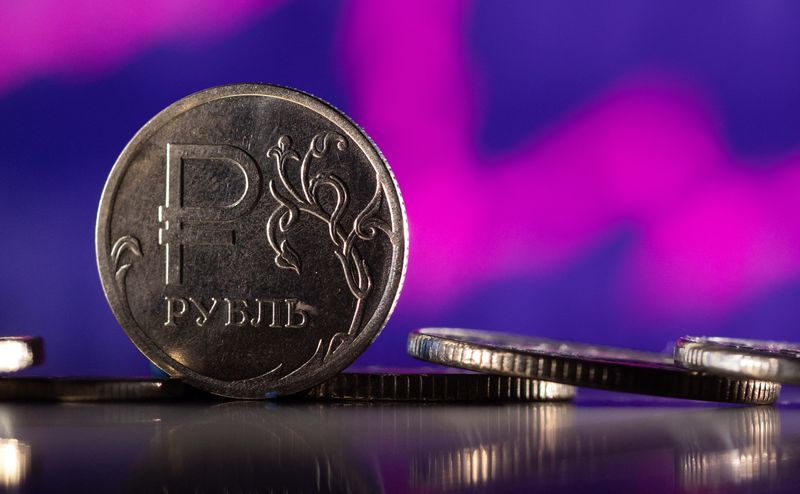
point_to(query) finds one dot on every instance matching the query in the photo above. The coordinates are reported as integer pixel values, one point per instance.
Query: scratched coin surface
(251, 240)
(580, 364)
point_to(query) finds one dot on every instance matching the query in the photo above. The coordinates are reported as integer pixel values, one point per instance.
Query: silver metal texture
(757, 359)
(582, 365)
(20, 352)
(251, 240)
(737, 448)
(69, 389)
(448, 387)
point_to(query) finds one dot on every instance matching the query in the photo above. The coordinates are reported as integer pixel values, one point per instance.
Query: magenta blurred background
(620, 173)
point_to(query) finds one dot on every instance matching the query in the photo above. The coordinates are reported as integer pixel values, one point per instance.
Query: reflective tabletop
(601, 443)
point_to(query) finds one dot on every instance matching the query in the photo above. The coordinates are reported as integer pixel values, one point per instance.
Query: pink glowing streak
(644, 156)
(39, 38)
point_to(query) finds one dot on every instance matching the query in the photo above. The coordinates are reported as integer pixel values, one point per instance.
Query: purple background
(622, 175)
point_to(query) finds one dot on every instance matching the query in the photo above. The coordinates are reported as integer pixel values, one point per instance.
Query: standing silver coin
(251, 240)
(758, 359)
(577, 364)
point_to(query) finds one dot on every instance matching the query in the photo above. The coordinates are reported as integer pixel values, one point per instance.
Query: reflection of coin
(748, 440)
(438, 387)
(249, 447)
(88, 389)
(757, 359)
(494, 449)
(251, 240)
(20, 352)
(16, 464)
(582, 365)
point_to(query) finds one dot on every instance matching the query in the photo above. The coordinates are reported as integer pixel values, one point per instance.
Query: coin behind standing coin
(776, 361)
(577, 364)
(251, 240)
(437, 387)
(76, 389)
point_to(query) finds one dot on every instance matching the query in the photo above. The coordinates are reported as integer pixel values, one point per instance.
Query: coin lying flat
(757, 359)
(251, 240)
(20, 352)
(93, 389)
(409, 386)
(582, 365)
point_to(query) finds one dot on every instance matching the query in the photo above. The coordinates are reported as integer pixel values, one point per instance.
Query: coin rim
(34, 344)
(254, 388)
(720, 356)
(345, 387)
(93, 389)
(450, 346)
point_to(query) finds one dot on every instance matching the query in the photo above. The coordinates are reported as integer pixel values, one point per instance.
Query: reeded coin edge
(438, 388)
(66, 389)
(256, 387)
(737, 359)
(639, 379)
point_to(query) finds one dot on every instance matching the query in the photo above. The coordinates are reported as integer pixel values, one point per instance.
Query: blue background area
(58, 141)
(746, 55)
(539, 60)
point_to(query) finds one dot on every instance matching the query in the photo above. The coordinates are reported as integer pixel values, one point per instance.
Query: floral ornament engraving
(296, 199)
(124, 244)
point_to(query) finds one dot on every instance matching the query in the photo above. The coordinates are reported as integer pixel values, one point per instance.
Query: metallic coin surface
(94, 389)
(409, 386)
(251, 240)
(20, 352)
(582, 365)
(758, 359)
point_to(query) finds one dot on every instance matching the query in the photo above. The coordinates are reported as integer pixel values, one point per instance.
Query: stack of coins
(709, 369)
(252, 242)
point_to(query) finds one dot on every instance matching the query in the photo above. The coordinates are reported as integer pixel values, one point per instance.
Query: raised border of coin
(70, 389)
(437, 388)
(757, 359)
(582, 365)
(331, 356)
(20, 352)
